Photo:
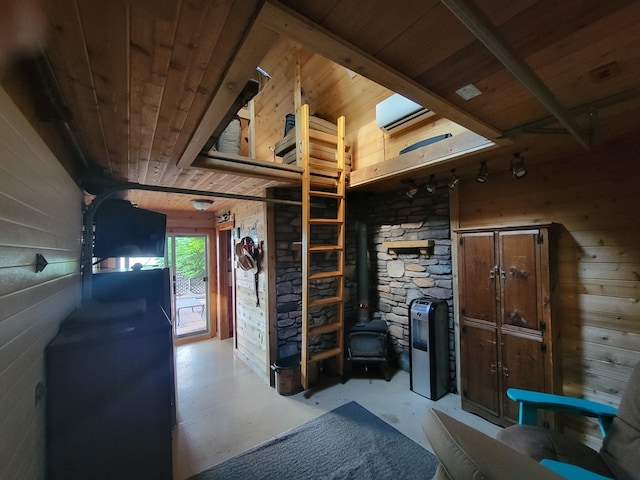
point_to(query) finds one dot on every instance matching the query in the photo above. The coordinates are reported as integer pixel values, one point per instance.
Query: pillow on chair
(540, 443)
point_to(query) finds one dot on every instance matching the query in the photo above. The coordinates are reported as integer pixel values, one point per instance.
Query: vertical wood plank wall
(252, 332)
(595, 199)
(40, 212)
(331, 91)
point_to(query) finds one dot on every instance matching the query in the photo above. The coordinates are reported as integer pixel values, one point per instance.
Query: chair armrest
(531, 401)
(571, 471)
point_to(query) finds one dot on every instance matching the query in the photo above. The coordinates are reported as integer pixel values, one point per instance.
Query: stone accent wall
(393, 283)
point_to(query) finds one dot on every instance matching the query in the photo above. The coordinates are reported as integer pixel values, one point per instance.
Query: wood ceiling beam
(255, 46)
(287, 22)
(244, 166)
(457, 147)
(472, 18)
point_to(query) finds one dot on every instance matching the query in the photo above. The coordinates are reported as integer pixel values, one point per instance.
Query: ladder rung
(319, 275)
(333, 352)
(322, 181)
(329, 328)
(325, 221)
(325, 248)
(324, 301)
(319, 193)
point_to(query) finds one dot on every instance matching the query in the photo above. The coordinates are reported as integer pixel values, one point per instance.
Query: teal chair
(619, 457)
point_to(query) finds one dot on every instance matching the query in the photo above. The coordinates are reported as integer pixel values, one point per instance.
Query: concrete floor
(224, 408)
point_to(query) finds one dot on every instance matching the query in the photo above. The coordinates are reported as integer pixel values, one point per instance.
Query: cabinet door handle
(494, 369)
(502, 274)
(492, 272)
(505, 372)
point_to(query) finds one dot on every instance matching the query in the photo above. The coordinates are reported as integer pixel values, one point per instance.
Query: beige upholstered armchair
(465, 453)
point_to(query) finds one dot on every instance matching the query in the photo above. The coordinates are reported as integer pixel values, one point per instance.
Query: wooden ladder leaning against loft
(323, 183)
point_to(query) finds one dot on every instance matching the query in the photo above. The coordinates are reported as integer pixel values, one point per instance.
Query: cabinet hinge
(540, 239)
(461, 240)
(543, 327)
(543, 347)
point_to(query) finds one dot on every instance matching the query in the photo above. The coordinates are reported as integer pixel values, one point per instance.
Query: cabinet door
(477, 296)
(522, 366)
(480, 379)
(522, 348)
(477, 283)
(519, 282)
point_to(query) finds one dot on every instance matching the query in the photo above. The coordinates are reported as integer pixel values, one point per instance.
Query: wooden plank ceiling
(146, 81)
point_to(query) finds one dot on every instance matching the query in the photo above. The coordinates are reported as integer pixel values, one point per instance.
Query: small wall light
(430, 187)
(412, 190)
(517, 166)
(483, 173)
(454, 180)
(201, 204)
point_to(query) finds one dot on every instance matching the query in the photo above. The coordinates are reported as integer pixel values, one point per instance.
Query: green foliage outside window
(190, 256)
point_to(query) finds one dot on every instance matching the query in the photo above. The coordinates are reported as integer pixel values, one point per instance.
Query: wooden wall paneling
(106, 48)
(250, 42)
(591, 196)
(430, 38)
(149, 57)
(41, 209)
(372, 32)
(66, 51)
(252, 332)
(368, 146)
(183, 82)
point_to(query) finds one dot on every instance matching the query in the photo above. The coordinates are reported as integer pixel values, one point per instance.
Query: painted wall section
(251, 336)
(40, 212)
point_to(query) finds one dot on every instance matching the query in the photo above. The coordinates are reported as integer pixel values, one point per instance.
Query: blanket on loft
(348, 442)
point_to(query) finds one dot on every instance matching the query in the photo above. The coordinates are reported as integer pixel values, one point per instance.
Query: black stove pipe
(363, 273)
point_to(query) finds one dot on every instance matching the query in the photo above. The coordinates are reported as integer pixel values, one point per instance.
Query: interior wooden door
(477, 296)
(521, 335)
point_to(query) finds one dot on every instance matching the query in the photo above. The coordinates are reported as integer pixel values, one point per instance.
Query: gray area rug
(348, 442)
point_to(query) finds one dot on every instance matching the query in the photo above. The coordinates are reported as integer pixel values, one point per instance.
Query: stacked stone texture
(393, 282)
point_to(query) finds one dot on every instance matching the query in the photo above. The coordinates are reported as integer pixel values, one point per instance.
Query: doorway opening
(187, 258)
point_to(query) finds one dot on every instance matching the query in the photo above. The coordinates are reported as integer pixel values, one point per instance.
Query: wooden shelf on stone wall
(423, 246)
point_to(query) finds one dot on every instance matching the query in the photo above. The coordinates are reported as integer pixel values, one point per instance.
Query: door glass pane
(188, 255)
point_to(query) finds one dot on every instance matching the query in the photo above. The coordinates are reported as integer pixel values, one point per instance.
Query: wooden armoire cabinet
(506, 284)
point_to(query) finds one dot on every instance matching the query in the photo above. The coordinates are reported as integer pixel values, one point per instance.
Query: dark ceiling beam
(479, 25)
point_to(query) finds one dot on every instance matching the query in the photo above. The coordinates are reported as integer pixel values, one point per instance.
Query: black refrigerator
(109, 390)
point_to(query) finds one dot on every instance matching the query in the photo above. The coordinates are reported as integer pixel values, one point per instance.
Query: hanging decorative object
(249, 255)
(41, 262)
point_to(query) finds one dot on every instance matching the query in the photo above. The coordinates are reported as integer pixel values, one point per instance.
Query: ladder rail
(336, 170)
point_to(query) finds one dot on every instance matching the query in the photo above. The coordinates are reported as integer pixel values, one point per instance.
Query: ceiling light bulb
(201, 204)
(517, 166)
(454, 180)
(430, 187)
(483, 173)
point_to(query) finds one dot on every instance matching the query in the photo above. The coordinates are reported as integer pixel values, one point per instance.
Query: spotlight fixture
(454, 180)
(201, 204)
(483, 173)
(517, 166)
(412, 190)
(430, 187)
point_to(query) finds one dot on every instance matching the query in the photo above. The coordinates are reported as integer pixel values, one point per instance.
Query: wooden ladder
(323, 182)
